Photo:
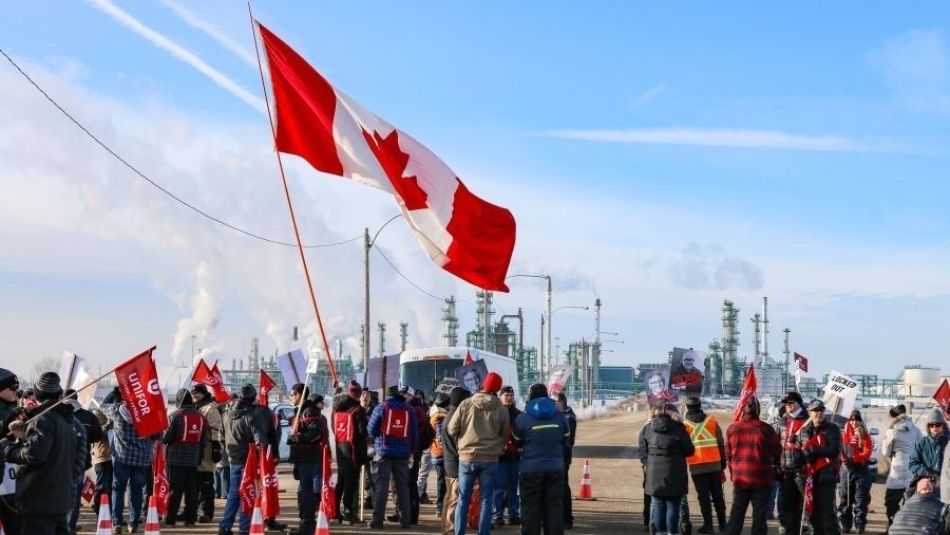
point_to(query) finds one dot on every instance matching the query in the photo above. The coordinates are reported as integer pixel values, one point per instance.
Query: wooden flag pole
(290, 207)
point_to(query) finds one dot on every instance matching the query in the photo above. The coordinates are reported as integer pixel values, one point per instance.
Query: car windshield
(425, 375)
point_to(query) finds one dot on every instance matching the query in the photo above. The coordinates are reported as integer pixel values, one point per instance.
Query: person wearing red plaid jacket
(753, 454)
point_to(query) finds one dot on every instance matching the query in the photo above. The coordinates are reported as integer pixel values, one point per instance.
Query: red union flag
(266, 385)
(88, 489)
(327, 492)
(465, 235)
(748, 391)
(942, 395)
(802, 362)
(270, 501)
(247, 492)
(162, 487)
(138, 382)
(211, 377)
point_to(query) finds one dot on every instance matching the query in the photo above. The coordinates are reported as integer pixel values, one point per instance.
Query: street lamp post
(541, 359)
(367, 245)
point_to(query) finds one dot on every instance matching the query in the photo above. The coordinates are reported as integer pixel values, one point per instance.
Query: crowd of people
(494, 463)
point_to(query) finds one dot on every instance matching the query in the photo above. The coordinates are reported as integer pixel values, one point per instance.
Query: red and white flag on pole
(749, 386)
(211, 377)
(266, 385)
(247, 492)
(270, 500)
(161, 487)
(464, 234)
(942, 395)
(138, 382)
(801, 362)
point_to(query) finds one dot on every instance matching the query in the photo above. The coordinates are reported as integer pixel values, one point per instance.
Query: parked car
(285, 413)
(872, 463)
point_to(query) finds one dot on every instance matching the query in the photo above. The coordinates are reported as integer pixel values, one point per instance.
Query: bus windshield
(425, 375)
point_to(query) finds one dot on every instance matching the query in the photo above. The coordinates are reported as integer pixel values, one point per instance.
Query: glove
(292, 439)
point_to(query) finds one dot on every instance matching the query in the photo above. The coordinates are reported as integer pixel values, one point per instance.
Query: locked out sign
(841, 393)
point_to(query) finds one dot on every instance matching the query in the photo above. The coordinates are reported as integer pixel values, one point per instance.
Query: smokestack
(765, 330)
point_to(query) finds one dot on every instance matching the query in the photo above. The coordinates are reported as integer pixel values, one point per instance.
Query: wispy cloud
(192, 19)
(721, 137)
(916, 65)
(710, 267)
(179, 53)
(647, 96)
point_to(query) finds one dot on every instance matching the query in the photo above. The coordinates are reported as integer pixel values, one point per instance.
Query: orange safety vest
(703, 436)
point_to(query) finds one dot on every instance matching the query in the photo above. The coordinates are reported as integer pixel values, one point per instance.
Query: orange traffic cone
(587, 492)
(323, 526)
(151, 519)
(257, 519)
(104, 525)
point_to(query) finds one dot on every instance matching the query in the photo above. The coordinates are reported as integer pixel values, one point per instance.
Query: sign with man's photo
(686, 371)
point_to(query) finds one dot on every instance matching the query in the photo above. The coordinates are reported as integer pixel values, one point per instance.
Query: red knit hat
(492, 382)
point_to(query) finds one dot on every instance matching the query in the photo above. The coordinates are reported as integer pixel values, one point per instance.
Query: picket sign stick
(74, 394)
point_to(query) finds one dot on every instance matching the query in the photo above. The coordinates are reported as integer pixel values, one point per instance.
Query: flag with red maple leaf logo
(462, 233)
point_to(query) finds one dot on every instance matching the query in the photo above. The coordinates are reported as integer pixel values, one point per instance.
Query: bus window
(425, 375)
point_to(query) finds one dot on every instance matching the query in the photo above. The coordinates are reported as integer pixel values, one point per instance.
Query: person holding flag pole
(243, 433)
(306, 453)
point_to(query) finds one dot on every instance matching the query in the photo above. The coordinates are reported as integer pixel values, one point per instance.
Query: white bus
(424, 368)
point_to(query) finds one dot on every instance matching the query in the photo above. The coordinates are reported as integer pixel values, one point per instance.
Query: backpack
(192, 425)
(395, 422)
(344, 425)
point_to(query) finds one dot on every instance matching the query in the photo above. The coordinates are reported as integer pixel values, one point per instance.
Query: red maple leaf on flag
(394, 161)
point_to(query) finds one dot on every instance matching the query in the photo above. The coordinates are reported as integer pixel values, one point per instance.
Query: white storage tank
(919, 381)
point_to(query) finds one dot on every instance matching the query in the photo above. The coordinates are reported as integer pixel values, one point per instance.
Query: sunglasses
(935, 424)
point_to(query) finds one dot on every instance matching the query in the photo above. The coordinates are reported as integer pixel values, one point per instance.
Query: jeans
(222, 481)
(399, 469)
(506, 483)
(425, 465)
(854, 496)
(233, 505)
(103, 483)
(133, 477)
(77, 495)
(310, 484)
(542, 494)
(665, 514)
(741, 498)
(484, 472)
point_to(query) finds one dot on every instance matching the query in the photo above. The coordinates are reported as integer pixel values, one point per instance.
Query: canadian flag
(464, 234)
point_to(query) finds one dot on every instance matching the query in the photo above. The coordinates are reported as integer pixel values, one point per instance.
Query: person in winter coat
(664, 447)
(243, 430)
(101, 453)
(791, 475)
(541, 431)
(571, 420)
(506, 478)
(854, 491)
(395, 432)
(707, 463)
(898, 445)
(754, 453)
(211, 453)
(450, 459)
(186, 437)
(481, 427)
(9, 411)
(436, 418)
(423, 443)
(349, 427)
(88, 431)
(945, 477)
(927, 458)
(820, 445)
(309, 434)
(131, 462)
(923, 513)
(48, 456)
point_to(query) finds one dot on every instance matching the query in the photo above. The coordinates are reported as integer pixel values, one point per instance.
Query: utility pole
(757, 336)
(550, 322)
(366, 246)
(785, 375)
(583, 372)
(382, 339)
(765, 331)
(541, 353)
(595, 351)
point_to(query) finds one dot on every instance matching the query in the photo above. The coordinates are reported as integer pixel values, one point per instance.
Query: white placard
(8, 486)
(841, 392)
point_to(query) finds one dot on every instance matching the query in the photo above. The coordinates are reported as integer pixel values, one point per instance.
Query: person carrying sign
(349, 429)
(820, 442)
(186, 437)
(306, 441)
(394, 429)
(707, 463)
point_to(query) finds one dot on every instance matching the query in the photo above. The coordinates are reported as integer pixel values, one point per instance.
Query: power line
(152, 182)
(414, 285)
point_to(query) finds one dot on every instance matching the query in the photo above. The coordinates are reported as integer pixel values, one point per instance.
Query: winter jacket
(241, 429)
(927, 458)
(664, 447)
(698, 416)
(178, 452)
(357, 449)
(212, 449)
(791, 459)
(898, 445)
(821, 450)
(856, 445)
(480, 425)
(8, 413)
(754, 452)
(127, 447)
(922, 515)
(437, 416)
(266, 421)
(101, 450)
(542, 432)
(945, 477)
(48, 457)
(310, 435)
(450, 449)
(389, 447)
(571, 420)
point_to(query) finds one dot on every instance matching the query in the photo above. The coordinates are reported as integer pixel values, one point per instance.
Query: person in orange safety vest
(707, 464)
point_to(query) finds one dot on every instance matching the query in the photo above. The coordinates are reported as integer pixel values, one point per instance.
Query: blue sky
(661, 157)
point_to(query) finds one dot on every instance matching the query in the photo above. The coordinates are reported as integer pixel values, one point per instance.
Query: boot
(705, 529)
